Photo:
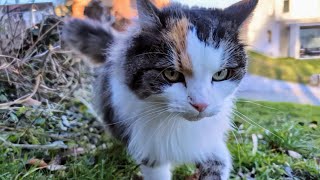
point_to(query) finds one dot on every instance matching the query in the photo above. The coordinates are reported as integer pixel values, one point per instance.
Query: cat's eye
(173, 76)
(221, 75)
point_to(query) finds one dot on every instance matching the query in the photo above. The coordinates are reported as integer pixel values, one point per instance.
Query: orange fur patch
(178, 36)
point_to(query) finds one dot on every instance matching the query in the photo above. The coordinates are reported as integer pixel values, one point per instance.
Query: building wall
(298, 9)
(263, 31)
(284, 40)
(270, 17)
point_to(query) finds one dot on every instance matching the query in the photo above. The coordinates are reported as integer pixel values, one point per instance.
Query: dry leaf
(193, 177)
(37, 163)
(32, 102)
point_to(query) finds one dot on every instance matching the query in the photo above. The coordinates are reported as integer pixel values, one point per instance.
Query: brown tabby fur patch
(178, 36)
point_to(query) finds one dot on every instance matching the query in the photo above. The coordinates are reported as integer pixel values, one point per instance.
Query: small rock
(313, 126)
(54, 167)
(65, 122)
(62, 127)
(255, 144)
(294, 154)
(288, 171)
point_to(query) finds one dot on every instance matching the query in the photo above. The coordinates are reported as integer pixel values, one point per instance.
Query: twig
(23, 98)
(53, 49)
(6, 56)
(88, 105)
(40, 38)
(55, 145)
(5, 66)
(64, 136)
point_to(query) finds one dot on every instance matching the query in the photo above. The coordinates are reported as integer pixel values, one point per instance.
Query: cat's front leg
(159, 172)
(216, 167)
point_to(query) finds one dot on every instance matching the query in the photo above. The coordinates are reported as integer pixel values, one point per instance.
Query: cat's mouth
(198, 117)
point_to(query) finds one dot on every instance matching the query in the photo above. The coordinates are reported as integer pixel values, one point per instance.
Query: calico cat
(167, 88)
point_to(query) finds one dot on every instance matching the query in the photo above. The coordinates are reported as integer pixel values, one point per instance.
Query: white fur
(158, 128)
(158, 173)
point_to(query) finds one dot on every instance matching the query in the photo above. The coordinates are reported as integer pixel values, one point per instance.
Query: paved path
(260, 88)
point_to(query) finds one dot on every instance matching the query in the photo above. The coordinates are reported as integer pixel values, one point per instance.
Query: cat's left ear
(148, 13)
(241, 11)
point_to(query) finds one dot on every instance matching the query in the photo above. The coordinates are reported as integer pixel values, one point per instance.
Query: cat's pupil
(219, 73)
(172, 73)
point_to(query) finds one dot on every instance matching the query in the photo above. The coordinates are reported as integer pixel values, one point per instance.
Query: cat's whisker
(156, 103)
(243, 117)
(156, 130)
(234, 126)
(145, 123)
(125, 120)
(150, 113)
(172, 130)
(141, 115)
(166, 127)
(238, 145)
(156, 107)
(162, 72)
(255, 103)
(153, 117)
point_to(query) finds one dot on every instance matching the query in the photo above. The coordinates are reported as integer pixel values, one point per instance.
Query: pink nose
(200, 106)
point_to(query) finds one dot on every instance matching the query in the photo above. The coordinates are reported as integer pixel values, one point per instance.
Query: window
(269, 36)
(286, 6)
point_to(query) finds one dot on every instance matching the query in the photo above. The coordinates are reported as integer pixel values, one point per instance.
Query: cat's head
(189, 60)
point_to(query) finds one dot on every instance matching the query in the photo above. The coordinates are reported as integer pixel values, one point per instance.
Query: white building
(286, 28)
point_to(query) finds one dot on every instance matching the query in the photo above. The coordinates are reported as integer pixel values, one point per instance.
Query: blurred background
(47, 124)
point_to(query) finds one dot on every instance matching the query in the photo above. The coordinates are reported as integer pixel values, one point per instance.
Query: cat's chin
(195, 118)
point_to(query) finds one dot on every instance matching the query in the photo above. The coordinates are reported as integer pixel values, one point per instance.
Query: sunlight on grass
(296, 128)
(287, 69)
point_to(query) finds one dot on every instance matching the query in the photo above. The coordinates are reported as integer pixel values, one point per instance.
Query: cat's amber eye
(221, 75)
(172, 75)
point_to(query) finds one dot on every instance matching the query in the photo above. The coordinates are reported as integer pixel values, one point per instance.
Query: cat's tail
(89, 38)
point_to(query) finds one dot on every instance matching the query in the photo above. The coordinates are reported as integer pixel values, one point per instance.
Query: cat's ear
(89, 38)
(148, 13)
(241, 11)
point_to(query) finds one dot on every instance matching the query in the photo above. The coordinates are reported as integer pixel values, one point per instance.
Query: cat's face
(189, 61)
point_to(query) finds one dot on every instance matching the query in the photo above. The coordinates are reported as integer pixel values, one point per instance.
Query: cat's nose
(200, 106)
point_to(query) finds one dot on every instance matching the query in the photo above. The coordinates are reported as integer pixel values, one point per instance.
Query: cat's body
(167, 85)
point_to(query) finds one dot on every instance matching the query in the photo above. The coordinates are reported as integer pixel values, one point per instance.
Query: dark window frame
(286, 6)
(269, 34)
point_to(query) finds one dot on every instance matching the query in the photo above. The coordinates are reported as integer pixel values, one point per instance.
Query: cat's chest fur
(161, 137)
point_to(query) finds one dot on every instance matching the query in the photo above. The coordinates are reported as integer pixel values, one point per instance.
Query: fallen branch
(53, 146)
(23, 98)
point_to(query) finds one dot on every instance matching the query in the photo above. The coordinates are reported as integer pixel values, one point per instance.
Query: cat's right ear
(241, 10)
(89, 38)
(148, 14)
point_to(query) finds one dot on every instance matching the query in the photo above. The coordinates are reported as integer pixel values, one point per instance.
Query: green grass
(287, 69)
(294, 127)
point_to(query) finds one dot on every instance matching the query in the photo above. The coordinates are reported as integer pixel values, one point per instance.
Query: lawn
(286, 138)
(287, 69)
(48, 132)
